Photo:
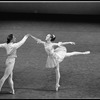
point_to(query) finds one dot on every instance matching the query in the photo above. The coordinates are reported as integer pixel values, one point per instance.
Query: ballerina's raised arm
(63, 43)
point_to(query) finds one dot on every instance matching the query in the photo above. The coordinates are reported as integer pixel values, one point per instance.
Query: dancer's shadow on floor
(50, 88)
(44, 88)
(4, 93)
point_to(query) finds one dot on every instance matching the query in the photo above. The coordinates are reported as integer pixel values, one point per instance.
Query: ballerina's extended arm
(38, 40)
(2, 45)
(63, 43)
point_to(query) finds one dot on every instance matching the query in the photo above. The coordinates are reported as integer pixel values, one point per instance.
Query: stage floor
(80, 75)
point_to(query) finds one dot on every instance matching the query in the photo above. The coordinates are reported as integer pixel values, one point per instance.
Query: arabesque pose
(55, 56)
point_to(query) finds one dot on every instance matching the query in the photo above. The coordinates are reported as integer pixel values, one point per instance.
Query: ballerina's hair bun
(53, 37)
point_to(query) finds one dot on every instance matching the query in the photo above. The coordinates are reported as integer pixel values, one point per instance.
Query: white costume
(55, 56)
(11, 49)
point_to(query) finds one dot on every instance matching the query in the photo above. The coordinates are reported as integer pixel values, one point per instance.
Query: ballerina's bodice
(54, 55)
(49, 49)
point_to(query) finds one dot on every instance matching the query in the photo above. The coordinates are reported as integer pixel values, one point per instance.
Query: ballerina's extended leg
(77, 53)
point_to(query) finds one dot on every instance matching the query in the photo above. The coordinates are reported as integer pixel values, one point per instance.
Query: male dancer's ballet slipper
(12, 92)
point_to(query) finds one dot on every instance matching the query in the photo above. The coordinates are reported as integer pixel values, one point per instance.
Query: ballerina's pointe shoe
(57, 86)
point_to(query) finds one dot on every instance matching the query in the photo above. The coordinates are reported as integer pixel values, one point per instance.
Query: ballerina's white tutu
(56, 57)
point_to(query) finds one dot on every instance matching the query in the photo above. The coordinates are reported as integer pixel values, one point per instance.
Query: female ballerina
(11, 49)
(55, 56)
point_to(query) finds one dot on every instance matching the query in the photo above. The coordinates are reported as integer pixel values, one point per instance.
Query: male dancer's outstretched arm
(21, 42)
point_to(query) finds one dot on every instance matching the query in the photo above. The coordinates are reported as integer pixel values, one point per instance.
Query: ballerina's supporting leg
(77, 53)
(57, 67)
(57, 77)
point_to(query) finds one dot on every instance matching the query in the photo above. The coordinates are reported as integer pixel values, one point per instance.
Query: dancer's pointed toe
(87, 52)
(57, 86)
